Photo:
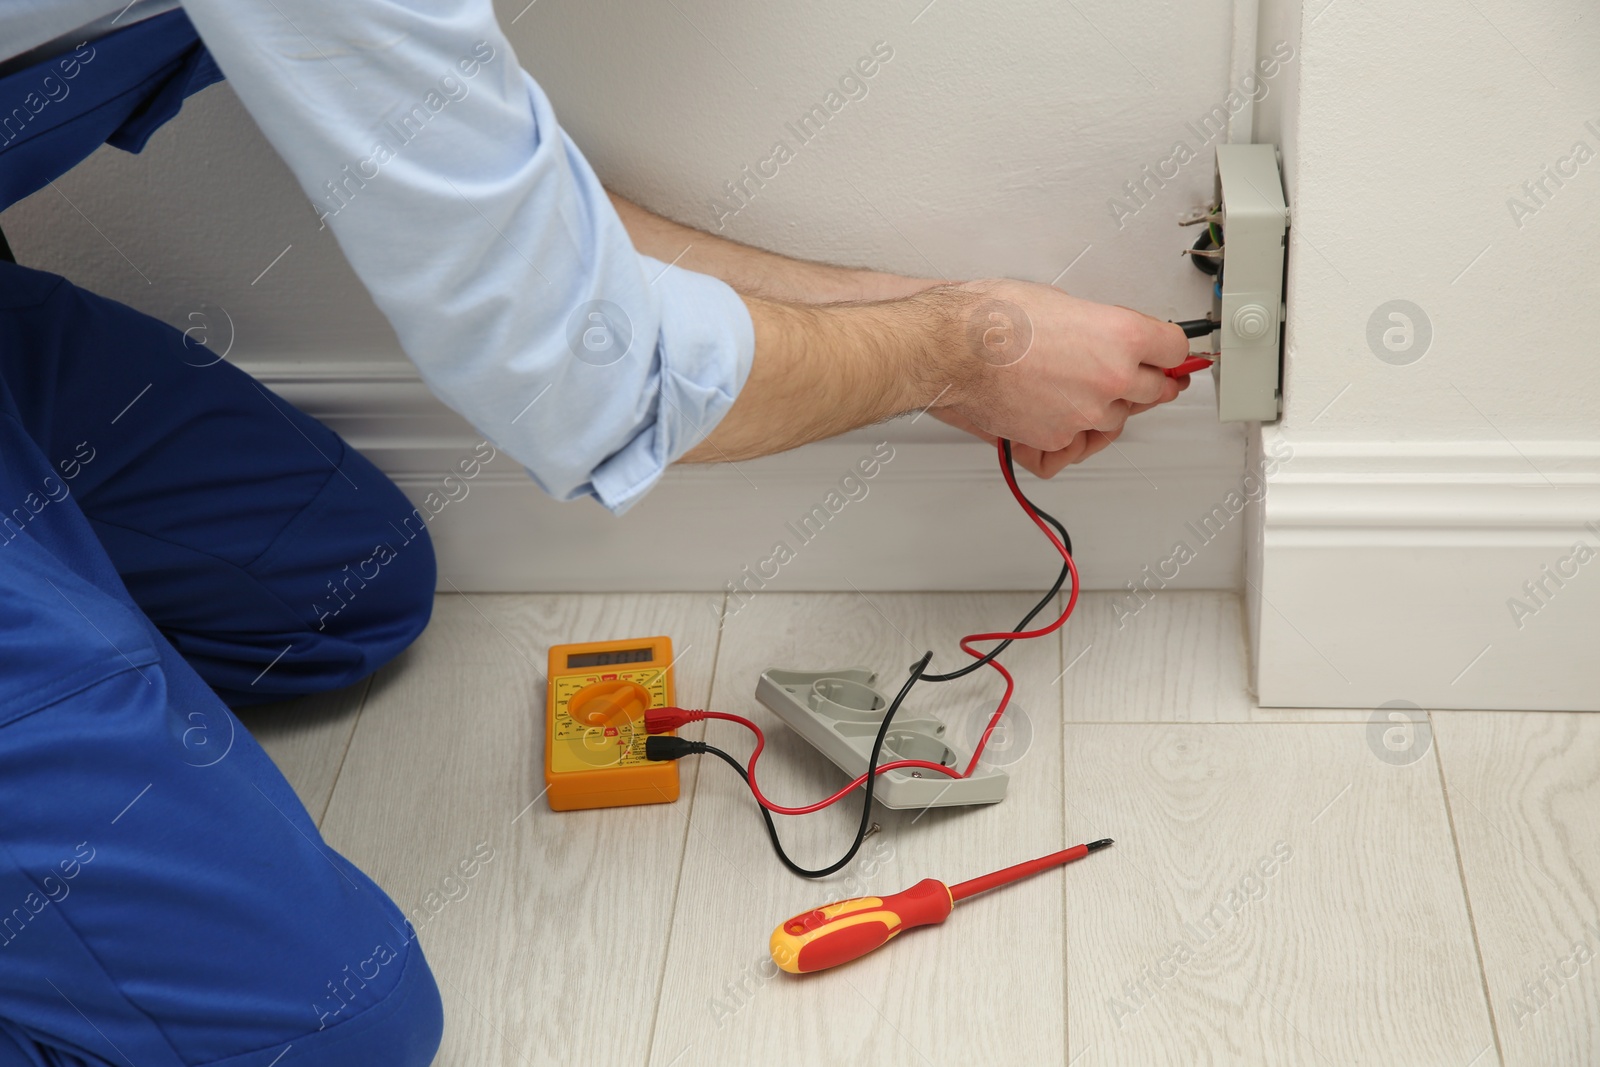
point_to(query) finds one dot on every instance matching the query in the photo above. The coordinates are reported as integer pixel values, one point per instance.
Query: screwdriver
(840, 932)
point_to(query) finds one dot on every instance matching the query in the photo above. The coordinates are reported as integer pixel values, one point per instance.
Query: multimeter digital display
(597, 696)
(609, 659)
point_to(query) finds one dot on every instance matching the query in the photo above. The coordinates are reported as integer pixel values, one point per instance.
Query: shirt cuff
(704, 353)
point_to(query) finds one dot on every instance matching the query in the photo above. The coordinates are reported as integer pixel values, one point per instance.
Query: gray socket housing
(840, 712)
(1255, 225)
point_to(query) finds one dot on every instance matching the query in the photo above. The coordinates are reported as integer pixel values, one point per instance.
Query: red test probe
(1188, 366)
(838, 933)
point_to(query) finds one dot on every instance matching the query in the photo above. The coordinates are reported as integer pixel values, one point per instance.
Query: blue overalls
(171, 535)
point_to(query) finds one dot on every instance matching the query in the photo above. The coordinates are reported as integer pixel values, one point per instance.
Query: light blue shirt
(484, 236)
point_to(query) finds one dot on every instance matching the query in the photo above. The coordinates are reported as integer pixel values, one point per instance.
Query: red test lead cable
(1072, 602)
(663, 719)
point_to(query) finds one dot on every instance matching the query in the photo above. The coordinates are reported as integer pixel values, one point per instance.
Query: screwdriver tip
(1096, 846)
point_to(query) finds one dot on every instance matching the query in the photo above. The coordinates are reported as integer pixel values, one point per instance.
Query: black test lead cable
(1061, 579)
(673, 747)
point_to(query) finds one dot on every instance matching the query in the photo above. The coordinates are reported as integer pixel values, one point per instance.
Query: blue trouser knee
(277, 560)
(170, 531)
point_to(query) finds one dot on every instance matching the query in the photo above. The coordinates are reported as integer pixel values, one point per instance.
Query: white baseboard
(1385, 568)
(935, 516)
(1388, 570)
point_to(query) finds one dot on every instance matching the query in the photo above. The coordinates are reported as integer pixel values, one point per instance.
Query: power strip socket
(1251, 308)
(839, 712)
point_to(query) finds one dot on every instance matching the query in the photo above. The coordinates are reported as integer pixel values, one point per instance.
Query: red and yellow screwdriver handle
(838, 933)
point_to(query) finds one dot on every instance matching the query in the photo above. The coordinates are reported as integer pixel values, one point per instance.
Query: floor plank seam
(1466, 893)
(683, 855)
(1246, 654)
(1214, 722)
(349, 740)
(1066, 939)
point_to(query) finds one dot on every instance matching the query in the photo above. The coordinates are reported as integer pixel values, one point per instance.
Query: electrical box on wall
(1244, 247)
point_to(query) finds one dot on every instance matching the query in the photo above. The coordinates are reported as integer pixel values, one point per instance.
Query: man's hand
(1059, 376)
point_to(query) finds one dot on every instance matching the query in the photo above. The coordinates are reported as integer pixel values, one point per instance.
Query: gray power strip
(839, 713)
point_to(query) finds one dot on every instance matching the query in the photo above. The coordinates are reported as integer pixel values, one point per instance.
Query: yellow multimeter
(594, 734)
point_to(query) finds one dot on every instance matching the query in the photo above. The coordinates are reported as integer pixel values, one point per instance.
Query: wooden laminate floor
(1287, 887)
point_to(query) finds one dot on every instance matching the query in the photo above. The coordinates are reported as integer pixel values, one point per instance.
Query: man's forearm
(752, 270)
(1003, 359)
(836, 348)
(821, 371)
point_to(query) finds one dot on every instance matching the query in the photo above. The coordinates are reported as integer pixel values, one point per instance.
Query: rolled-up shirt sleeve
(485, 237)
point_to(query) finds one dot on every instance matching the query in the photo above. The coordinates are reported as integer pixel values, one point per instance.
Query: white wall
(991, 144)
(1423, 494)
